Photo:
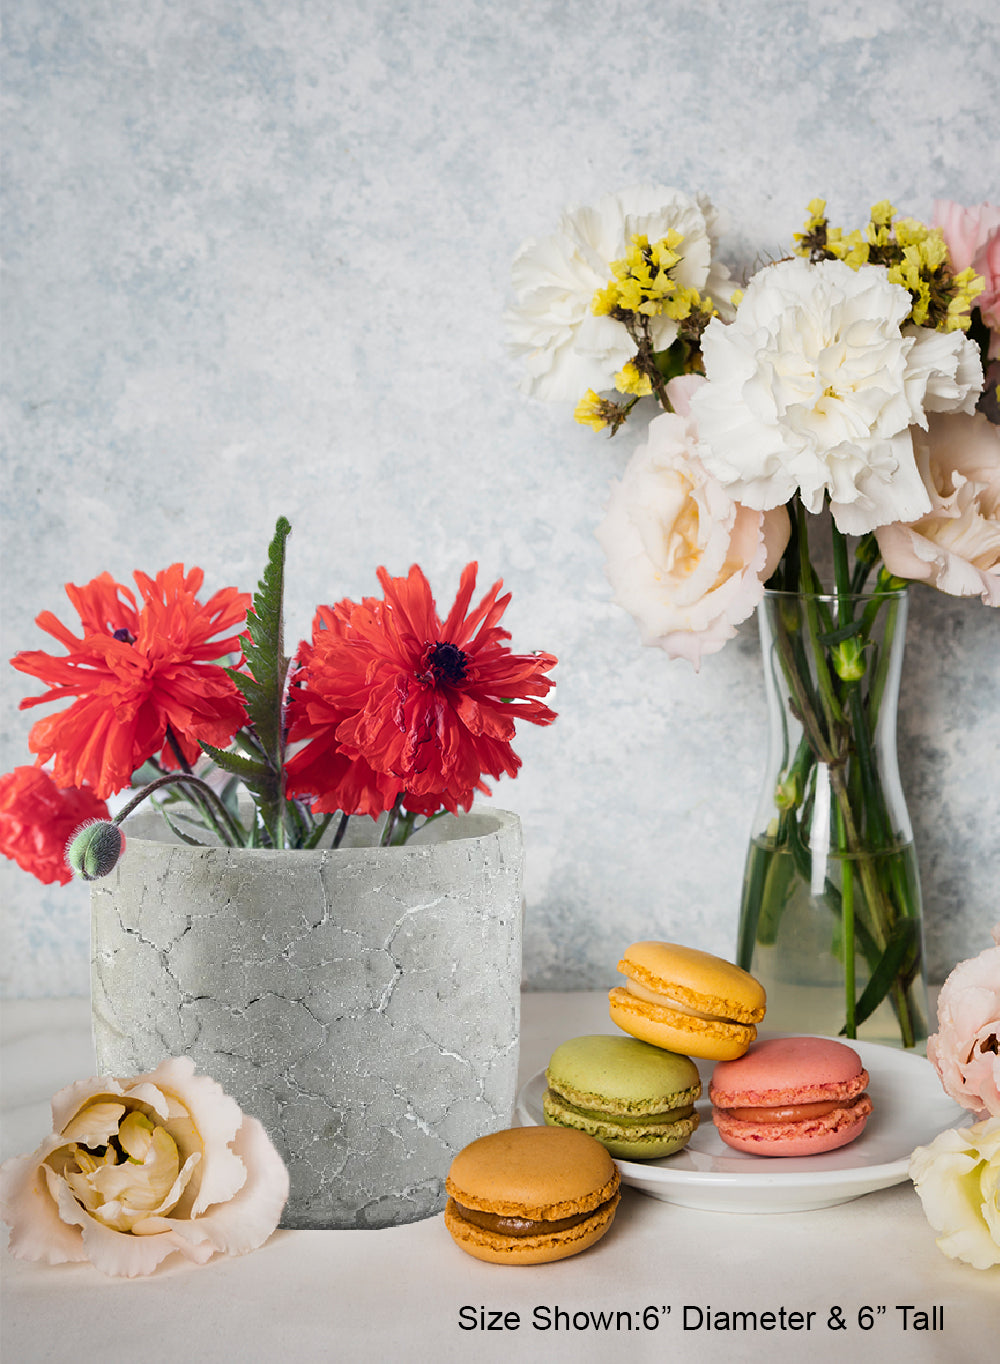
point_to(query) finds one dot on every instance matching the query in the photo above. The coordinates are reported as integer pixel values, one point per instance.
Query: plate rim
(871, 1177)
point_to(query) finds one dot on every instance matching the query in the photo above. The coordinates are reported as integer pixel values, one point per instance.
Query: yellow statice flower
(968, 286)
(915, 256)
(879, 230)
(820, 241)
(605, 301)
(589, 411)
(642, 282)
(814, 227)
(855, 250)
(632, 380)
(683, 303)
(907, 272)
(600, 413)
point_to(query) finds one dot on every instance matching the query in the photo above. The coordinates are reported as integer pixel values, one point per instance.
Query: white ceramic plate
(910, 1109)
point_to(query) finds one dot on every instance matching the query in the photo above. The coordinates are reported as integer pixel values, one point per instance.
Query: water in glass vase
(800, 910)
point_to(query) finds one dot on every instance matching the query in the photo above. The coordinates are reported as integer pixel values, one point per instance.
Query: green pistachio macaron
(636, 1099)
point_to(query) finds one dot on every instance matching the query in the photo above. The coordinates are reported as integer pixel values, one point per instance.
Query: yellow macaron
(687, 1001)
(528, 1195)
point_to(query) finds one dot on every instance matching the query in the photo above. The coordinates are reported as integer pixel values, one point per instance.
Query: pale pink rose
(685, 560)
(965, 1050)
(139, 1169)
(972, 236)
(956, 546)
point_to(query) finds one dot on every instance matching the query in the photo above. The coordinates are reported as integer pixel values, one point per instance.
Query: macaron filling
(791, 1112)
(667, 1002)
(648, 1119)
(526, 1226)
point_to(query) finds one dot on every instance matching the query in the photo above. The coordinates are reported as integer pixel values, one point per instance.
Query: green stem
(235, 838)
(841, 574)
(847, 930)
(386, 840)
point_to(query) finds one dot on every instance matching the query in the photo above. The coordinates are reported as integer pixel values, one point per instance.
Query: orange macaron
(528, 1195)
(687, 1001)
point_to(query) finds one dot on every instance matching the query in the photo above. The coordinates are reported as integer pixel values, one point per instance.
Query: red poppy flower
(428, 704)
(319, 770)
(135, 670)
(37, 819)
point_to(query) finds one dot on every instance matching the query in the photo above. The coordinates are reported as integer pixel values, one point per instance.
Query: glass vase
(830, 920)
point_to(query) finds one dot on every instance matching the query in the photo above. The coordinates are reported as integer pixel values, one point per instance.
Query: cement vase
(362, 1002)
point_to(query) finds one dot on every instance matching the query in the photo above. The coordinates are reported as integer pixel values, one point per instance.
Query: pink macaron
(791, 1096)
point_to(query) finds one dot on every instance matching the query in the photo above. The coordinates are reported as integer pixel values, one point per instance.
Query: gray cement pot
(363, 1003)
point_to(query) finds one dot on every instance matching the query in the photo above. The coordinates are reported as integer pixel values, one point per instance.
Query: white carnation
(814, 386)
(563, 347)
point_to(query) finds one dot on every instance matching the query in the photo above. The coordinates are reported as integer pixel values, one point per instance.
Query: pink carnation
(965, 1049)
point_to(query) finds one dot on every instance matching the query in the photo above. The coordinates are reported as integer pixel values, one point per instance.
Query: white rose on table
(958, 1179)
(685, 560)
(136, 1170)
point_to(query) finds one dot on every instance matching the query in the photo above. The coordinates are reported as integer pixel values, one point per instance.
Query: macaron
(791, 1096)
(637, 1100)
(528, 1195)
(687, 1001)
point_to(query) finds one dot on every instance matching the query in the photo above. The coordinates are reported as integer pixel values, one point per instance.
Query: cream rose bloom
(958, 1180)
(813, 389)
(136, 1170)
(965, 1050)
(563, 347)
(956, 546)
(685, 560)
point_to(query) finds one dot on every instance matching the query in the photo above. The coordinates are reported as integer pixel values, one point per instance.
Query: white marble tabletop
(400, 1293)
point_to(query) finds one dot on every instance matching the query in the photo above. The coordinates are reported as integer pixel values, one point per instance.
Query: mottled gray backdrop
(257, 253)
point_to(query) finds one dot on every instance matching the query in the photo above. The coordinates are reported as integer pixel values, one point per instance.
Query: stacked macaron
(637, 1100)
(687, 1001)
(636, 1094)
(527, 1195)
(791, 1096)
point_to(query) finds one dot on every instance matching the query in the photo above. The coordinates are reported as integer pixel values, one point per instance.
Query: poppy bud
(94, 849)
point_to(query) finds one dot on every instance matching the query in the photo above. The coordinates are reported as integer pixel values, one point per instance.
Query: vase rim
(891, 593)
(486, 823)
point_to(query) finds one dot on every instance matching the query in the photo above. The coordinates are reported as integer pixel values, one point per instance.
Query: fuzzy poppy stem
(229, 831)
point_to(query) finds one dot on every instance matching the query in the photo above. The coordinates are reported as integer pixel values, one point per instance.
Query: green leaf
(838, 636)
(672, 362)
(263, 691)
(249, 770)
(264, 688)
(896, 963)
(174, 826)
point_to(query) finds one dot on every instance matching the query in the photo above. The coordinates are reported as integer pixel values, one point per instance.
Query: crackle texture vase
(362, 1002)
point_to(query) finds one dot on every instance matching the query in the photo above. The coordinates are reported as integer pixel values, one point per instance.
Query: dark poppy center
(444, 662)
(124, 635)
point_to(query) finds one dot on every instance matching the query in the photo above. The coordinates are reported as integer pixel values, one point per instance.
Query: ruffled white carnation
(563, 347)
(814, 386)
(684, 559)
